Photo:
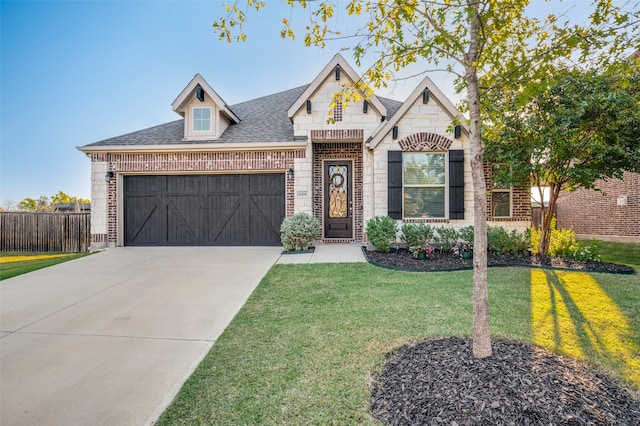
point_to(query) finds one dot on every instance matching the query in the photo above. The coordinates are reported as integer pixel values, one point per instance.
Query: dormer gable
(206, 114)
(339, 70)
(426, 93)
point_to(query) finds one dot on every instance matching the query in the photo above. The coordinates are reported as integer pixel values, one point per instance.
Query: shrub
(500, 241)
(563, 243)
(299, 232)
(381, 232)
(416, 234)
(466, 234)
(448, 237)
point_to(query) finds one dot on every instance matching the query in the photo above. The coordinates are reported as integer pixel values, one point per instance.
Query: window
(202, 119)
(500, 194)
(424, 179)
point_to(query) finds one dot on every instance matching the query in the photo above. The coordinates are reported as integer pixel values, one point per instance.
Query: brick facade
(339, 151)
(520, 200)
(597, 214)
(191, 162)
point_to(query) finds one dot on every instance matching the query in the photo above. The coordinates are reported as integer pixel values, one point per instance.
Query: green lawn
(625, 253)
(13, 264)
(303, 348)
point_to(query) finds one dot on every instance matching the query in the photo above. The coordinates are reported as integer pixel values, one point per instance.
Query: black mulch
(404, 260)
(438, 382)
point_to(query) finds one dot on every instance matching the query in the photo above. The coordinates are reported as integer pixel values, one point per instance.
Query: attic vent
(337, 72)
(425, 96)
(200, 93)
(457, 131)
(365, 107)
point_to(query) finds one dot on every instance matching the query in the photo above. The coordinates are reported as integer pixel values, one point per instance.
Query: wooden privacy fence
(45, 232)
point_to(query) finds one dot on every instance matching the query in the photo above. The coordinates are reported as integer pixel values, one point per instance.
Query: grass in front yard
(625, 253)
(302, 350)
(14, 264)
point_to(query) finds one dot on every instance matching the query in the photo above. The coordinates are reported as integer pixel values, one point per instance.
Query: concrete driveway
(110, 338)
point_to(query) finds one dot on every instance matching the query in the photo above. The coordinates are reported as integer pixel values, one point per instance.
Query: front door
(338, 199)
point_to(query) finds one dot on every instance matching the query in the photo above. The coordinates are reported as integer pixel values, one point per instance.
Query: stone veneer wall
(343, 151)
(597, 214)
(181, 163)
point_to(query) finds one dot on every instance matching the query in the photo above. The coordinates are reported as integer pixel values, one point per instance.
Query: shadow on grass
(572, 314)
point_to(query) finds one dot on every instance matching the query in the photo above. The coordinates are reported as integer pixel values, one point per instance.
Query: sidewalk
(327, 253)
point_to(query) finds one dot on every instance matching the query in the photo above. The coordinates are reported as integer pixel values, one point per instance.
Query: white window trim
(445, 185)
(193, 120)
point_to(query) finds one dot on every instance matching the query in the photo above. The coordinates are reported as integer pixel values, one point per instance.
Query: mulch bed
(439, 382)
(403, 260)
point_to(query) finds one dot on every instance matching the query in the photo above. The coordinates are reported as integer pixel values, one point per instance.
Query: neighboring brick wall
(597, 213)
(343, 151)
(520, 200)
(195, 162)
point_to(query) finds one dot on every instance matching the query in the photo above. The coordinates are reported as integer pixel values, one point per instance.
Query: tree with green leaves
(583, 128)
(493, 40)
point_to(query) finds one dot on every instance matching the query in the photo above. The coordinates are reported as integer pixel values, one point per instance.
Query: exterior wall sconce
(109, 175)
(200, 93)
(365, 106)
(290, 173)
(337, 72)
(457, 131)
(308, 106)
(394, 134)
(425, 96)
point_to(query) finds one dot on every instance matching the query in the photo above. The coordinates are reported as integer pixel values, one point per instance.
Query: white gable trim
(199, 80)
(435, 94)
(349, 72)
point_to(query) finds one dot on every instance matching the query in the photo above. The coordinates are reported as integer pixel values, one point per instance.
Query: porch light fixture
(425, 96)
(394, 134)
(337, 72)
(365, 106)
(109, 175)
(200, 93)
(308, 106)
(457, 131)
(290, 173)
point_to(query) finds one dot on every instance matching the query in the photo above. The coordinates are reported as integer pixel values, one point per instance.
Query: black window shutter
(456, 184)
(394, 189)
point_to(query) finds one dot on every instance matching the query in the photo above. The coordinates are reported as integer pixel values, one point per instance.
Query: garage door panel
(186, 220)
(204, 209)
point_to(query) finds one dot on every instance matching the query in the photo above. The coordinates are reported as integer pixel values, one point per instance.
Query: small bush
(381, 232)
(466, 234)
(416, 234)
(563, 243)
(500, 241)
(299, 232)
(448, 237)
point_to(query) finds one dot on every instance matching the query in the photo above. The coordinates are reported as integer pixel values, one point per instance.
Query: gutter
(202, 147)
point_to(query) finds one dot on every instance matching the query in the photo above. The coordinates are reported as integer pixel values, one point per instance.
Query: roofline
(198, 79)
(315, 84)
(190, 147)
(436, 94)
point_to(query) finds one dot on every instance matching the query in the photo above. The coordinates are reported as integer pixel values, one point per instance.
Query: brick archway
(425, 142)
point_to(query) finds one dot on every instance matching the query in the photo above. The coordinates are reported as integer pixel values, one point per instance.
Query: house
(612, 213)
(229, 175)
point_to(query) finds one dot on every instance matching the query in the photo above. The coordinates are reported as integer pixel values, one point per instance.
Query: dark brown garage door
(211, 210)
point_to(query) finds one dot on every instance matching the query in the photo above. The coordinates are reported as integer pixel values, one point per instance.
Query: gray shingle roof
(261, 120)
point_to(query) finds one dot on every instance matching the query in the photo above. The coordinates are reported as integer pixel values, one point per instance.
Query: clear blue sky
(76, 72)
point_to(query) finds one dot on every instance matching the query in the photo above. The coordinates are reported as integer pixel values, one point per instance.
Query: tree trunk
(481, 334)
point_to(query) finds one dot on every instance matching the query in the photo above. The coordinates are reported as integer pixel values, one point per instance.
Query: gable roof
(435, 94)
(263, 120)
(328, 69)
(196, 81)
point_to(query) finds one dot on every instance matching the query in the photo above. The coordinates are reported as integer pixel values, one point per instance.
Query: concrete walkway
(109, 339)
